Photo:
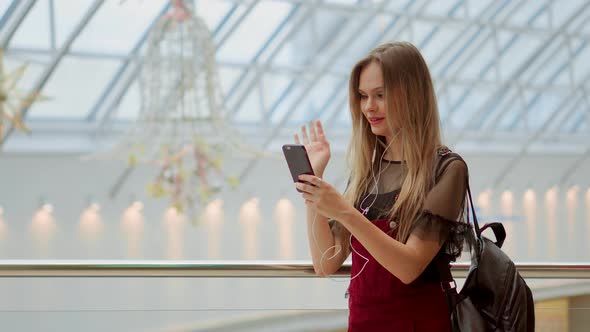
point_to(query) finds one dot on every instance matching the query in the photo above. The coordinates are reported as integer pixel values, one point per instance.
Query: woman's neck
(394, 150)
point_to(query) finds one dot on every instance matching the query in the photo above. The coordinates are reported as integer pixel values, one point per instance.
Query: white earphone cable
(338, 248)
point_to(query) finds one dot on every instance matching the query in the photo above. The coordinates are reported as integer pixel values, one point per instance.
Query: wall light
(250, 217)
(284, 216)
(91, 224)
(132, 223)
(214, 219)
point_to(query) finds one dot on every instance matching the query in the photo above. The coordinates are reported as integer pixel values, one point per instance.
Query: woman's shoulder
(449, 161)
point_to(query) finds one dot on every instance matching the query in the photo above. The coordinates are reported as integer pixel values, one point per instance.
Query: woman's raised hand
(317, 146)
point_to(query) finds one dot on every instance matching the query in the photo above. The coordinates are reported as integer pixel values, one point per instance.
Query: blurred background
(151, 130)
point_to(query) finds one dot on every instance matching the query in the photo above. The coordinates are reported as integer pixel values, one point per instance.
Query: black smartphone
(298, 161)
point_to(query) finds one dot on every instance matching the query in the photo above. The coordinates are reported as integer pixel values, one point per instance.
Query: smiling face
(372, 99)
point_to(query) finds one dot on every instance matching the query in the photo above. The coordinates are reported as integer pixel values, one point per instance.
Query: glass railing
(237, 269)
(227, 296)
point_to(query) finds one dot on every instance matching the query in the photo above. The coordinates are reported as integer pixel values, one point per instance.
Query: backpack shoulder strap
(444, 158)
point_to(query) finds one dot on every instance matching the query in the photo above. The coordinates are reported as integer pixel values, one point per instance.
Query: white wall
(149, 304)
(68, 184)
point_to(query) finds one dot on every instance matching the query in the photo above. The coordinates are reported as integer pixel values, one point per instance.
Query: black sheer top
(443, 216)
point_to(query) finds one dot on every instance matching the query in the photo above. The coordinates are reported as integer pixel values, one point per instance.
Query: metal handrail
(235, 269)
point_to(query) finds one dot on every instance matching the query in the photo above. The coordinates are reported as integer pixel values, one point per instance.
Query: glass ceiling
(512, 74)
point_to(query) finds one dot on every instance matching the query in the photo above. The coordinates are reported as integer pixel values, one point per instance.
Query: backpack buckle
(445, 286)
(443, 151)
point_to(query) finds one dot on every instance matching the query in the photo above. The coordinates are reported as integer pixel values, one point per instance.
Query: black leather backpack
(494, 297)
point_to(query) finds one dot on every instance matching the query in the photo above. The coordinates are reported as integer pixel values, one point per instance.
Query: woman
(401, 215)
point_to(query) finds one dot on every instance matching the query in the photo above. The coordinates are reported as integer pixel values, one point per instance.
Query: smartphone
(298, 161)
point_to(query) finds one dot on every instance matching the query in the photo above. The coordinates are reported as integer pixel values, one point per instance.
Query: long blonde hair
(411, 107)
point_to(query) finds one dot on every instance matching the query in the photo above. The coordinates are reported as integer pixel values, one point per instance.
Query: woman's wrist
(319, 171)
(314, 210)
(347, 215)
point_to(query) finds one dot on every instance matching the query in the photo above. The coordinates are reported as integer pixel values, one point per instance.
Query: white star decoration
(13, 101)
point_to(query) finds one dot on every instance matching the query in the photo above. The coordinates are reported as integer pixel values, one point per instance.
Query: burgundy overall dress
(379, 302)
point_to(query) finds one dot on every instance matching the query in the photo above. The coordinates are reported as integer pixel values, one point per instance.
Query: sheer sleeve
(442, 218)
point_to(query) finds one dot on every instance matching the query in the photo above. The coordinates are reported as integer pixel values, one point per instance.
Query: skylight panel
(117, 27)
(74, 86)
(68, 15)
(253, 32)
(34, 32)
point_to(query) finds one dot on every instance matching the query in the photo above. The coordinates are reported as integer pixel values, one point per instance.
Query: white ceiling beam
(260, 69)
(473, 51)
(521, 70)
(82, 136)
(15, 21)
(419, 16)
(523, 148)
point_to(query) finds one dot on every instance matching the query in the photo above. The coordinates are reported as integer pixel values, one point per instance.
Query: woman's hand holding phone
(322, 197)
(316, 145)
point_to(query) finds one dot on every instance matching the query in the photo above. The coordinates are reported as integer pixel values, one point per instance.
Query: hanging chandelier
(181, 125)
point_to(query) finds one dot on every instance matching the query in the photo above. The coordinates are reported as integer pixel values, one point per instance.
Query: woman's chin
(378, 131)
